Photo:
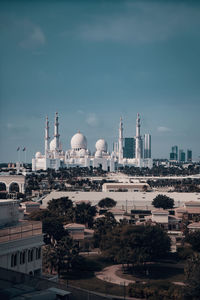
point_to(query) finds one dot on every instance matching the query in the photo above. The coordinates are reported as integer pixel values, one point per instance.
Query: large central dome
(79, 141)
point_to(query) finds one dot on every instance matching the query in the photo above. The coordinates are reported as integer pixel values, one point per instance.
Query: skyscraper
(189, 155)
(147, 145)
(174, 153)
(181, 155)
(129, 148)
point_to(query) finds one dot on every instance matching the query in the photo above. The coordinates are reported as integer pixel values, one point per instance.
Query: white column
(47, 136)
(56, 134)
(138, 139)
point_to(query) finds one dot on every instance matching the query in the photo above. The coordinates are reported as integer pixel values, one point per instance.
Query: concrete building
(125, 187)
(10, 182)
(160, 216)
(194, 227)
(30, 206)
(20, 241)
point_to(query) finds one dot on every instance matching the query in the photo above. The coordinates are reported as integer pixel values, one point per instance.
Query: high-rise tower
(120, 142)
(189, 155)
(147, 145)
(138, 140)
(56, 134)
(47, 136)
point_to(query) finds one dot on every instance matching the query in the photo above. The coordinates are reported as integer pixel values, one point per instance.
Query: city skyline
(94, 62)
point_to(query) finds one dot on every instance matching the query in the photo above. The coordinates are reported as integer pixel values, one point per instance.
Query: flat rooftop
(125, 200)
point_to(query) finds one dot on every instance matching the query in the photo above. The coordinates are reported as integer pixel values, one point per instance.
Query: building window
(14, 260)
(22, 257)
(30, 255)
(38, 253)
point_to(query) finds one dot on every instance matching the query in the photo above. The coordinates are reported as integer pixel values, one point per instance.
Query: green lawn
(85, 278)
(155, 272)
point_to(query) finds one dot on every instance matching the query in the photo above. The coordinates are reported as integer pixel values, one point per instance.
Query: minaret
(56, 134)
(120, 142)
(47, 136)
(138, 150)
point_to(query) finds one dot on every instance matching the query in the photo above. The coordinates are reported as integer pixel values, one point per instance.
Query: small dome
(98, 154)
(52, 145)
(79, 141)
(38, 154)
(101, 145)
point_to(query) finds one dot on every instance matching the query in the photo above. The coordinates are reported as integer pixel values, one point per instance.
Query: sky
(94, 61)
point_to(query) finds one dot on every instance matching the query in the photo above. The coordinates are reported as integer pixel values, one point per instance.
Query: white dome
(98, 154)
(101, 145)
(38, 154)
(52, 145)
(79, 141)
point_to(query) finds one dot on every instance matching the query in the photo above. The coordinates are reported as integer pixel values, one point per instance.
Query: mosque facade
(55, 157)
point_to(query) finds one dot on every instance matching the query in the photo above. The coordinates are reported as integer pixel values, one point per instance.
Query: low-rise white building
(20, 241)
(160, 216)
(125, 187)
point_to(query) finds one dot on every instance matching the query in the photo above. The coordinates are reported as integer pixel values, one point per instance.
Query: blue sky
(94, 61)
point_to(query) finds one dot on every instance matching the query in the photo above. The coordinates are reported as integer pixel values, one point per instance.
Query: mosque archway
(14, 187)
(3, 187)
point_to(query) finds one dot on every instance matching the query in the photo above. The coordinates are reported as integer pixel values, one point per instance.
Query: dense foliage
(192, 276)
(107, 203)
(193, 239)
(161, 290)
(162, 201)
(130, 244)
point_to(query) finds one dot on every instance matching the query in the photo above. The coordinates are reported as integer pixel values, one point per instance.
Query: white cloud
(35, 37)
(163, 129)
(80, 112)
(92, 119)
(141, 22)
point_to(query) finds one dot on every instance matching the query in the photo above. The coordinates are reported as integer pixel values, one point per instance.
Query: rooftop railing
(23, 230)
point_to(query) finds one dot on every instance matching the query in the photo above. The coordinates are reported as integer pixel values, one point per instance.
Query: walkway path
(109, 274)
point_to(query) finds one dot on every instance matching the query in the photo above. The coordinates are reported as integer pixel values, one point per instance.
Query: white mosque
(79, 155)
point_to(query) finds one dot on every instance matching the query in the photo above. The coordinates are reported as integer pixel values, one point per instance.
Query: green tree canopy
(192, 276)
(107, 203)
(60, 206)
(162, 201)
(193, 239)
(84, 213)
(135, 244)
(103, 225)
(53, 230)
(62, 255)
